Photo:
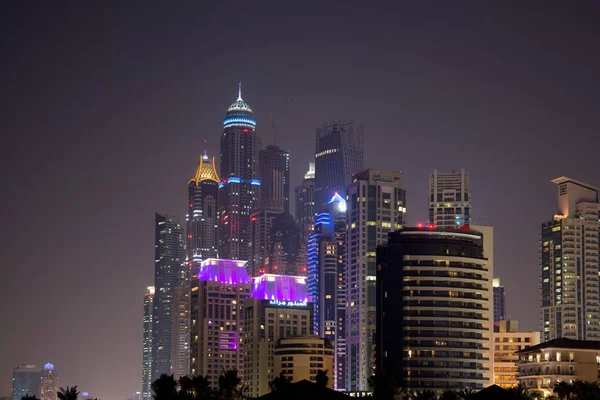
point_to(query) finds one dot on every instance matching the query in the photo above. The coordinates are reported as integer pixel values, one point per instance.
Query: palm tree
(228, 384)
(70, 393)
(164, 388)
(585, 390)
(383, 386)
(280, 384)
(185, 387)
(28, 397)
(563, 390)
(449, 395)
(467, 393)
(321, 378)
(520, 392)
(201, 388)
(426, 394)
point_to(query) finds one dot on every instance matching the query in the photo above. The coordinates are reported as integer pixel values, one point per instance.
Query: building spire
(240, 91)
(205, 156)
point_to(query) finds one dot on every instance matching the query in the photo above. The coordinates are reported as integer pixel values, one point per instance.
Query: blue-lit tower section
(326, 279)
(338, 154)
(238, 194)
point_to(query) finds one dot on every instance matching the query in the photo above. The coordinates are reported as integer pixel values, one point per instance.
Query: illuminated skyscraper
(171, 283)
(338, 154)
(48, 383)
(327, 277)
(238, 192)
(305, 206)
(274, 173)
(203, 218)
(434, 318)
(217, 317)
(279, 307)
(499, 304)
(376, 206)
(449, 199)
(147, 343)
(569, 263)
(26, 381)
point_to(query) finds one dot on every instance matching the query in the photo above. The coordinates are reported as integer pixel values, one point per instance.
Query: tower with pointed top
(202, 217)
(238, 190)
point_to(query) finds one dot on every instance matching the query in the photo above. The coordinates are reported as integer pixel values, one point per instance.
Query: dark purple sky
(105, 107)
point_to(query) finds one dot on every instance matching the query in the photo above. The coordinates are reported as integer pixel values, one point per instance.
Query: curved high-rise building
(202, 217)
(239, 180)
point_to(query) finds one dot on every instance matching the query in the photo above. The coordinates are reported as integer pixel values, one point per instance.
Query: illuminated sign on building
(287, 303)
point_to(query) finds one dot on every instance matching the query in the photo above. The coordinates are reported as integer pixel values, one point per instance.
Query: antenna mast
(272, 118)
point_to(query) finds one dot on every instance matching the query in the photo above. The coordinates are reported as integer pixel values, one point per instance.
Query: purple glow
(280, 288)
(228, 340)
(230, 272)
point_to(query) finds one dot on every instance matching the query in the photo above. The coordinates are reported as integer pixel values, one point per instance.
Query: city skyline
(117, 117)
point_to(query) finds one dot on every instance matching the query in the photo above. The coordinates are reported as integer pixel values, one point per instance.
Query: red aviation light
(245, 130)
(419, 225)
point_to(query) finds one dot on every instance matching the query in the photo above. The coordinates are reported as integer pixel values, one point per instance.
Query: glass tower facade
(171, 286)
(274, 172)
(338, 154)
(147, 343)
(238, 190)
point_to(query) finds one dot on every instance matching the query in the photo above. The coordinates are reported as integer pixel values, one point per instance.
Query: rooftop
(564, 343)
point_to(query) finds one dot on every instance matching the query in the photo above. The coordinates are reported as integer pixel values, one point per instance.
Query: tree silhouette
(563, 390)
(164, 388)
(449, 395)
(321, 378)
(185, 387)
(70, 393)
(228, 384)
(280, 384)
(520, 392)
(383, 386)
(201, 388)
(28, 397)
(426, 394)
(467, 393)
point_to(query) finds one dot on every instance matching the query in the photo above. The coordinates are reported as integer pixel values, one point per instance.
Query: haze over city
(106, 109)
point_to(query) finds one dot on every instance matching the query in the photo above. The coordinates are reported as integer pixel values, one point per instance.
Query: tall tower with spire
(238, 193)
(202, 217)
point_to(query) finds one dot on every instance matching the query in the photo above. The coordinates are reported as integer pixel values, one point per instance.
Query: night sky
(106, 107)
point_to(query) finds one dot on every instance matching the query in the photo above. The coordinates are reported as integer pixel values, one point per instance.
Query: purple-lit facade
(280, 288)
(279, 307)
(217, 298)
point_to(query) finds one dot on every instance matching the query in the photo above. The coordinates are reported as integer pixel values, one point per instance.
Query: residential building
(305, 206)
(558, 360)
(274, 173)
(26, 381)
(285, 250)
(279, 308)
(238, 192)
(261, 223)
(299, 358)
(570, 298)
(499, 301)
(147, 343)
(449, 199)
(48, 383)
(202, 217)
(507, 342)
(217, 318)
(338, 154)
(326, 279)
(376, 205)
(171, 283)
(434, 318)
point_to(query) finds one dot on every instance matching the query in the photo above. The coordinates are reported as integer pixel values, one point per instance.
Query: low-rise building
(558, 360)
(507, 341)
(300, 358)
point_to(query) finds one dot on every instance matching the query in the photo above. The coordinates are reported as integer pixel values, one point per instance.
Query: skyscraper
(376, 206)
(305, 205)
(26, 381)
(279, 308)
(449, 199)
(434, 320)
(286, 256)
(202, 217)
(239, 173)
(274, 173)
(48, 383)
(326, 277)
(499, 305)
(217, 315)
(569, 262)
(338, 154)
(147, 343)
(171, 283)
(261, 223)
